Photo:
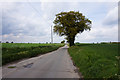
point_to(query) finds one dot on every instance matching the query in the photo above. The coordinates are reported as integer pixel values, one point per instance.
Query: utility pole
(51, 35)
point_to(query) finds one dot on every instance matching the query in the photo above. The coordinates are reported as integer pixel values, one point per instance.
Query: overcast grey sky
(31, 21)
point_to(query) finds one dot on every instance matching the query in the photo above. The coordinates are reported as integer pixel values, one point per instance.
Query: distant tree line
(75, 42)
(6, 42)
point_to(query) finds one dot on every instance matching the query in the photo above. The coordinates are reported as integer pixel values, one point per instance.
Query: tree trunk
(71, 41)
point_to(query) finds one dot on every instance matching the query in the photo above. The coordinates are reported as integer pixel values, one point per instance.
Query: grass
(96, 60)
(16, 51)
(12, 67)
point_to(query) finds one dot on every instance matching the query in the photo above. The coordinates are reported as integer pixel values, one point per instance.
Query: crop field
(96, 60)
(16, 51)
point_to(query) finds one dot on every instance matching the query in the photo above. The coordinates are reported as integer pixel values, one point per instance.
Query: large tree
(69, 24)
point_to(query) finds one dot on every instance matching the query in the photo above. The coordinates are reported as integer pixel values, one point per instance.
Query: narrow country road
(56, 64)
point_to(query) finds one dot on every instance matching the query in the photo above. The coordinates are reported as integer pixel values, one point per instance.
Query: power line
(33, 7)
(40, 16)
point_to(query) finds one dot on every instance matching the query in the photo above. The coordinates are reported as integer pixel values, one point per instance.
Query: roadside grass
(96, 60)
(16, 51)
(12, 67)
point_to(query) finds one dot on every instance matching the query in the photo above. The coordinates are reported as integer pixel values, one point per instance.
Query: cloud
(111, 17)
(31, 21)
(99, 34)
(23, 21)
(60, 0)
(25, 38)
(33, 39)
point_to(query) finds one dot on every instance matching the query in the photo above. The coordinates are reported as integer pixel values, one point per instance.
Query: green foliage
(71, 23)
(15, 51)
(12, 67)
(96, 60)
(63, 41)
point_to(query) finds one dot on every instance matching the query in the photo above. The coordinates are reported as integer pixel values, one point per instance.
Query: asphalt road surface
(56, 64)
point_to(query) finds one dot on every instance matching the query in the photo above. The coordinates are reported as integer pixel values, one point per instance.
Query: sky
(31, 21)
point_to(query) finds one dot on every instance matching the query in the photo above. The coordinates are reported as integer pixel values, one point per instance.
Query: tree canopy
(71, 23)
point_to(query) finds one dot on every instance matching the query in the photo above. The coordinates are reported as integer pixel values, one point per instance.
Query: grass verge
(16, 51)
(96, 60)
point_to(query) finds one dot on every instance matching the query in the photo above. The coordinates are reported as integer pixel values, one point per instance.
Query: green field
(16, 51)
(96, 60)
